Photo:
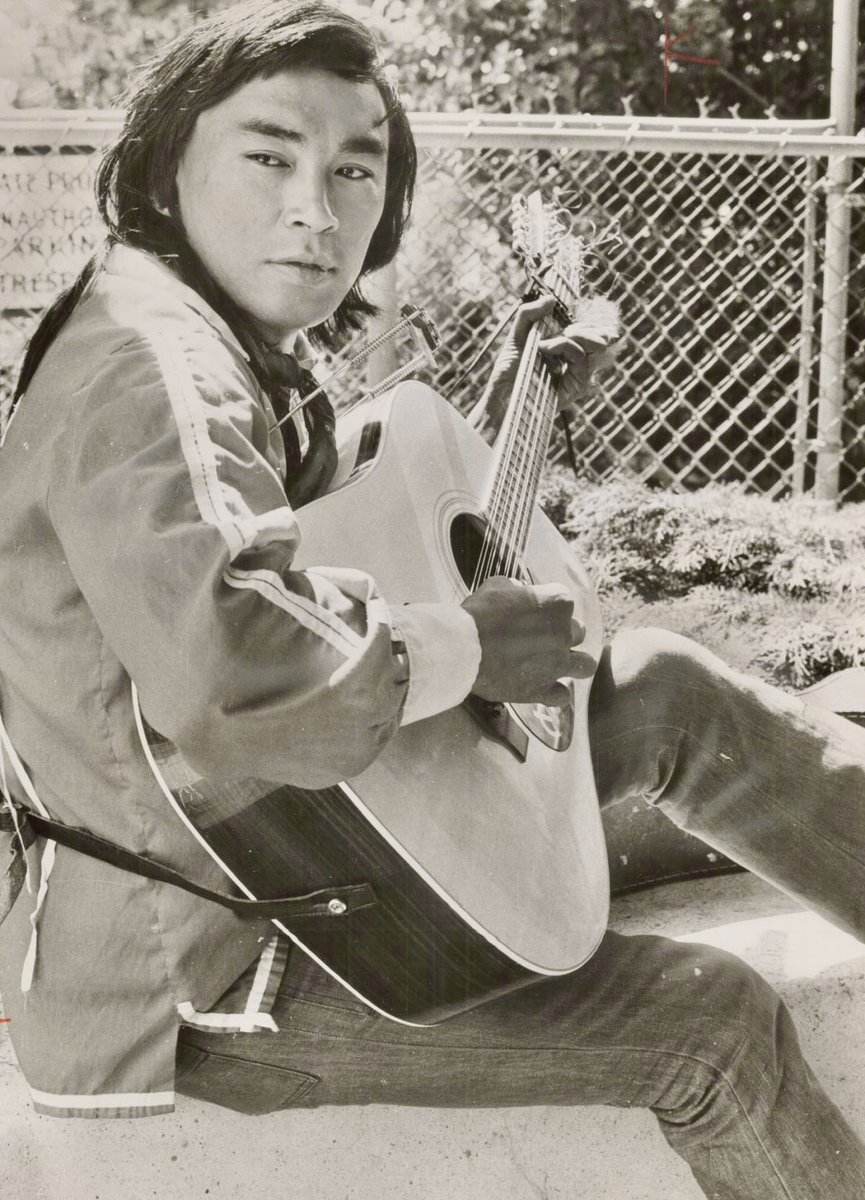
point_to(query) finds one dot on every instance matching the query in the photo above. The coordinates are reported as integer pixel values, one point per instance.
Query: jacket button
(336, 907)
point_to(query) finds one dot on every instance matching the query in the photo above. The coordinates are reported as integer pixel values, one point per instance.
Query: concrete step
(512, 1154)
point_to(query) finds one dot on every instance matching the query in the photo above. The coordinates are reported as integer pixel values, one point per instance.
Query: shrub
(775, 587)
(815, 649)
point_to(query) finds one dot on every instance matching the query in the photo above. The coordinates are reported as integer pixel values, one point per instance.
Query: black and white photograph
(432, 599)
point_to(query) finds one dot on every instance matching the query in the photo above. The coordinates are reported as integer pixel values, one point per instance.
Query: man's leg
(774, 784)
(686, 1031)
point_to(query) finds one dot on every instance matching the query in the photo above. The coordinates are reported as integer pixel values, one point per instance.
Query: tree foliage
(598, 56)
(79, 53)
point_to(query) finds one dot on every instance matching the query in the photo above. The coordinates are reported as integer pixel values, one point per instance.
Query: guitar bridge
(497, 722)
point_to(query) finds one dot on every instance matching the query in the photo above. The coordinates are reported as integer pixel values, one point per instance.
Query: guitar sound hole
(467, 545)
(552, 726)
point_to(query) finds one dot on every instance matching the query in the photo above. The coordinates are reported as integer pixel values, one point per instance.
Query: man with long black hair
(149, 534)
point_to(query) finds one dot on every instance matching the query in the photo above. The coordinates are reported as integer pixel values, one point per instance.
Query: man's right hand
(529, 640)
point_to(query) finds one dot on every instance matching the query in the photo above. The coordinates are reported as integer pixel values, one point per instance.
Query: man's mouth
(313, 266)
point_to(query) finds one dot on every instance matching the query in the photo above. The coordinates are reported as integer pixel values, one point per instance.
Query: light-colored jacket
(146, 536)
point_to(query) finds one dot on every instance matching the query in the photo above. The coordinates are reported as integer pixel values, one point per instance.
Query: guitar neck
(554, 259)
(521, 452)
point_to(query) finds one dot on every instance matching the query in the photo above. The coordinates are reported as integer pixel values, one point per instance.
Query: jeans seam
(716, 1073)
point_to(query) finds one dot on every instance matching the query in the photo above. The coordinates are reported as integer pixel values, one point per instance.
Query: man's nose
(308, 202)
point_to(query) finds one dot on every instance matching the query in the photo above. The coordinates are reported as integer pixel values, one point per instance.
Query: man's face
(280, 188)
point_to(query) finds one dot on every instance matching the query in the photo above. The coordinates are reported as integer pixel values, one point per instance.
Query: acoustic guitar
(478, 829)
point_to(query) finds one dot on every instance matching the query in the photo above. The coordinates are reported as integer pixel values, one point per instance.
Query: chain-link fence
(729, 368)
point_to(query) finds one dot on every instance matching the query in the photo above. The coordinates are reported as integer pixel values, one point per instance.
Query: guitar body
(482, 840)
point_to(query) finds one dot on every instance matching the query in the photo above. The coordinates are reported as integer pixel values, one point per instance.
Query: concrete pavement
(510, 1154)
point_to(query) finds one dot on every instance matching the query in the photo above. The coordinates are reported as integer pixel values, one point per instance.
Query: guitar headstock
(543, 239)
(554, 255)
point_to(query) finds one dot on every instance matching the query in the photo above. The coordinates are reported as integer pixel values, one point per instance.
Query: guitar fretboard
(524, 445)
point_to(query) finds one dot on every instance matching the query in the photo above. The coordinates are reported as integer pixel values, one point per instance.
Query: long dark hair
(135, 183)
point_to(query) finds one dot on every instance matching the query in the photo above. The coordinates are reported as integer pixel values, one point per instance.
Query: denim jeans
(684, 1030)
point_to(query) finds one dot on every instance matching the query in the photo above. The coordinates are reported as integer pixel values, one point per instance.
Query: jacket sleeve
(177, 531)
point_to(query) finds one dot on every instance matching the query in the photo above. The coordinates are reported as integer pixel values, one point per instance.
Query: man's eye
(352, 172)
(265, 159)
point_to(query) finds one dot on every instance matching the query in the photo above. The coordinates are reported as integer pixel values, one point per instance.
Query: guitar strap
(23, 824)
(326, 902)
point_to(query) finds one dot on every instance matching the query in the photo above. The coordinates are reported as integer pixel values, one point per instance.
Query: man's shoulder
(137, 323)
(136, 296)
(138, 344)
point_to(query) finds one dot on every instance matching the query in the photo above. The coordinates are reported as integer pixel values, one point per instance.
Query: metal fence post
(836, 266)
(806, 340)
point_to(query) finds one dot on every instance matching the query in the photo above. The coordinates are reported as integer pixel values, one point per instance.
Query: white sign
(48, 225)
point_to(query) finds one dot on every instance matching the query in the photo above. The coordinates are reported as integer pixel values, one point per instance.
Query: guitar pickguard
(552, 726)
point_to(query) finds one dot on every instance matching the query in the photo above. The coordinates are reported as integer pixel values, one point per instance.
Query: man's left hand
(572, 355)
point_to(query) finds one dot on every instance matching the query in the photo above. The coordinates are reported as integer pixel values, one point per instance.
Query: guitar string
(498, 533)
(529, 475)
(511, 501)
(521, 460)
(528, 472)
(496, 506)
(519, 480)
(520, 470)
(514, 474)
(527, 469)
(492, 504)
(537, 439)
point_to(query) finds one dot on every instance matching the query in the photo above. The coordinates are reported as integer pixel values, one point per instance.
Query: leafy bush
(774, 587)
(814, 649)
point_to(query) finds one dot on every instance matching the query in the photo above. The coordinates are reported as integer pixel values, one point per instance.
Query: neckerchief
(306, 475)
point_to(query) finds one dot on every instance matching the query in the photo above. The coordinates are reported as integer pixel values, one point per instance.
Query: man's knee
(650, 656)
(661, 683)
(738, 1042)
(653, 688)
